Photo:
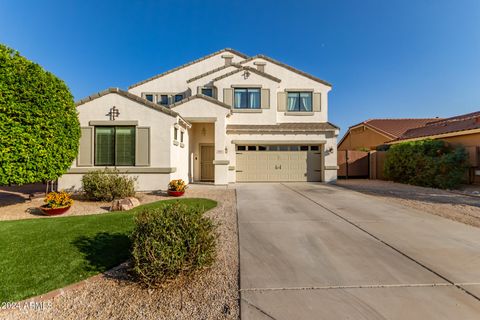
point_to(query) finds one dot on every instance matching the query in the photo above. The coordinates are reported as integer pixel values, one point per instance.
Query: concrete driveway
(313, 251)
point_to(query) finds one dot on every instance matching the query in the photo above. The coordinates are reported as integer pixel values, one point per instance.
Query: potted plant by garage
(57, 203)
(176, 188)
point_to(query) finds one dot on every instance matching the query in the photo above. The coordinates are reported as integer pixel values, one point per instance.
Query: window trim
(114, 146)
(299, 92)
(247, 88)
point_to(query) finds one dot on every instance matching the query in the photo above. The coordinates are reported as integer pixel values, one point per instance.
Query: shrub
(58, 200)
(172, 241)
(428, 163)
(107, 184)
(39, 128)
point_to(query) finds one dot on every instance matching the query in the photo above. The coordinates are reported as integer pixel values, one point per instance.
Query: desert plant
(177, 185)
(56, 200)
(171, 242)
(428, 163)
(107, 185)
(39, 128)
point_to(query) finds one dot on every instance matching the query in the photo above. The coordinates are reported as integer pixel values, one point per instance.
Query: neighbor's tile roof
(394, 128)
(282, 127)
(463, 122)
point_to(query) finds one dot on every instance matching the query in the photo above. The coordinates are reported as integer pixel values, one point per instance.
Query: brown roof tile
(463, 122)
(260, 73)
(394, 128)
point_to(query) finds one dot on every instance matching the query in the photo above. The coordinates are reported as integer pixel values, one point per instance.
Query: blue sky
(384, 58)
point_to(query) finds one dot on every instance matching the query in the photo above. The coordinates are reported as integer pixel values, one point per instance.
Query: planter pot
(54, 211)
(175, 193)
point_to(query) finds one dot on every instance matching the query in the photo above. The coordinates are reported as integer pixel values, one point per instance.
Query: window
(299, 101)
(149, 97)
(175, 134)
(241, 148)
(303, 148)
(314, 148)
(247, 98)
(252, 148)
(114, 146)
(178, 97)
(181, 136)
(262, 148)
(163, 100)
(207, 92)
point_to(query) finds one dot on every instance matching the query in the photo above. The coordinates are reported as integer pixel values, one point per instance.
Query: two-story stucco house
(223, 118)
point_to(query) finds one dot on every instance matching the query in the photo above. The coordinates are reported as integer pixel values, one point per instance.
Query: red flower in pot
(57, 203)
(176, 188)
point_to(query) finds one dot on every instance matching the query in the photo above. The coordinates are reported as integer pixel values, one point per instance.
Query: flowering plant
(177, 185)
(56, 200)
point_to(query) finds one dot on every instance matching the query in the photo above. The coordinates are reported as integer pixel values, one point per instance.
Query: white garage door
(279, 163)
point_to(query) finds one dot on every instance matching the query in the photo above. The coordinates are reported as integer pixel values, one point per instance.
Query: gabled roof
(286, 66)
(237, 65)
(390, 128)
(290, 127)
(130, 96)
(188, 64)
(201, 96)
(457, 124)
(250, 69)
(394, 128)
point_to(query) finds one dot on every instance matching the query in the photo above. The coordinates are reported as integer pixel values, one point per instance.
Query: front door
(207, 170)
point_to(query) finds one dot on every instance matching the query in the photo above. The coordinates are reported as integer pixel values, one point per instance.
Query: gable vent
(228, 59)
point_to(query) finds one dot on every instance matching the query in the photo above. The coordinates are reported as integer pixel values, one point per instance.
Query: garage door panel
(278, 166)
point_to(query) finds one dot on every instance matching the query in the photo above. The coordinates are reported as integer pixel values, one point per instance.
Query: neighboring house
(369, 134)
(462, 130)
(223, 118)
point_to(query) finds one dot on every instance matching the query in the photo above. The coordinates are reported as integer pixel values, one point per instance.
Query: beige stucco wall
(177, 81)
(361, 138)
(162, 152)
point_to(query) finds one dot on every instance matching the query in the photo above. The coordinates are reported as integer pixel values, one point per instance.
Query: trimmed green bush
(427, 163)
(170, 242)
(39, 128)
(107, 184)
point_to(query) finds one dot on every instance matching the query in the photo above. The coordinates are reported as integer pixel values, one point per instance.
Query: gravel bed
(455, 206)
(211, 294)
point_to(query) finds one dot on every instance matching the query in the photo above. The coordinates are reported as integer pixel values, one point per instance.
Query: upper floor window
(163, 100)
(299, 101)
(247, 98)
(207, 92)
(149, 97)
(178, 97)
(115, 146)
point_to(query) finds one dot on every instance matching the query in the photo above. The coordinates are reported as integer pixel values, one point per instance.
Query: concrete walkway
(312, 251)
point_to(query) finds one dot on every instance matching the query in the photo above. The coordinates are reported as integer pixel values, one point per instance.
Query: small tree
(39, 128)
(428, 163)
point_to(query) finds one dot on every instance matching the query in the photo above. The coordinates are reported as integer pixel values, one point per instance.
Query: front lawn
(40, 255)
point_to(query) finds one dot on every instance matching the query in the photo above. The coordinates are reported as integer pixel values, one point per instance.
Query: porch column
(221, 161)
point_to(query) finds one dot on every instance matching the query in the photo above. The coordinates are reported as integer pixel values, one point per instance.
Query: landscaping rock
(124, 204)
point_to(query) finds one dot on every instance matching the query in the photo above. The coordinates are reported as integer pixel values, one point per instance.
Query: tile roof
(463, 122)
(201, 96)
(260, 73)
(130, 96)
(236, 65)
(188, 64)
(303, 127)
(286, 66)
(394, 128)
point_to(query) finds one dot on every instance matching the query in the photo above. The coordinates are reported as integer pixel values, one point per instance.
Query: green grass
(40, 255)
